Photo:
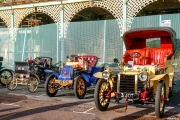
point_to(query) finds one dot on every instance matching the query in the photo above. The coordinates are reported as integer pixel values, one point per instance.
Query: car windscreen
(153, 43)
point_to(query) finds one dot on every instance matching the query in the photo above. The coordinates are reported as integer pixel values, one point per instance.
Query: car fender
(98, 75)
(87, 79)
(1, 68)
(51, 71)
(165, 78)
(8, 69)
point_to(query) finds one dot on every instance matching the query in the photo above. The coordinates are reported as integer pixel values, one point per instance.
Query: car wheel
(32, 83)
(159, 103)
(100, 92)
(38, 79)
(171, 89)
(50, 88)
(4, 75)
(11, 83)
(79, 87)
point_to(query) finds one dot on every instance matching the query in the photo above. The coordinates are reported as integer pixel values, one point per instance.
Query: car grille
(127, 84)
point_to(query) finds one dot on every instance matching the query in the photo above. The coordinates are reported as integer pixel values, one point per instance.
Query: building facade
(13, 12)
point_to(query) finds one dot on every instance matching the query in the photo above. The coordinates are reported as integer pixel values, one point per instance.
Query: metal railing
(100, 38)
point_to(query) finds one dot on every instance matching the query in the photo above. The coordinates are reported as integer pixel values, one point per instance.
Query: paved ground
(22, 105)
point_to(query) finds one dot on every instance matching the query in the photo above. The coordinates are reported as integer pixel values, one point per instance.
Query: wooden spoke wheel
(11, 83)
(100, 93)
(4, 75)
(79, 87)
(159, 99)
(32, 83)
(50, 86)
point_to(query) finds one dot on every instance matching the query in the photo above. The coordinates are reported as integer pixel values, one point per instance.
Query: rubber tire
(7, 83)
(51, 76)
(33, 76)
(5, 70)
(76, 80)
(170, 92)
(171, 89)
(96, 96)
(159, 113)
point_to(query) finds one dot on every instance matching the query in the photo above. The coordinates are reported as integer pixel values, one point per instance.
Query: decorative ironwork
(20, 14)
(6, 17)
(52, 11)
(70, 10)
(133, 7)
(113, 6)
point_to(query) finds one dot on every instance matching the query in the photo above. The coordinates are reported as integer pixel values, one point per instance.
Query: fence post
(24, 44)
(124, 29)
(104, 49)
(62, 31)
(57, 49)
(12, 35)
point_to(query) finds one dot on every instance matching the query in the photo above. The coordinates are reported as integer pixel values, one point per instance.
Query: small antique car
(22, 76)
(145, 74)
(39, 64)
(4, 73)
(76, 74)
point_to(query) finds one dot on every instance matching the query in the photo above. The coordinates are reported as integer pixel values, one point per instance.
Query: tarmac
(38, 106)
(22, 105)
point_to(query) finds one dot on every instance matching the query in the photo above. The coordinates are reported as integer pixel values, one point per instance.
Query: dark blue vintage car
(76, 74)
(30, 73)
(4, 73)
(38, 65)
(22, 76)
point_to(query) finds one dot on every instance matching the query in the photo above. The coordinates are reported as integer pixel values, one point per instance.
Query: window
(153, 43)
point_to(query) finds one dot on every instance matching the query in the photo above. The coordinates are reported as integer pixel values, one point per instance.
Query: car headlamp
(143, 76)
(105, 75)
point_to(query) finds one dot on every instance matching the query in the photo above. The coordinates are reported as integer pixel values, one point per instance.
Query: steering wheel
(134, 54)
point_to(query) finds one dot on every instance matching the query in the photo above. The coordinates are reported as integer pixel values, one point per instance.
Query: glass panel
(153, 43)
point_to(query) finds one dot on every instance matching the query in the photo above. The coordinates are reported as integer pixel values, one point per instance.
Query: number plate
(127, 95)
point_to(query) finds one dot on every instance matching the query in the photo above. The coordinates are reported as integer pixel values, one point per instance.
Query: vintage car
(39, 64)
(145, 74)
(22, 76)
(76, 74)
(4, 73)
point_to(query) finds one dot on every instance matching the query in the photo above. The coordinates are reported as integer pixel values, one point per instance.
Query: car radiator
(128, 84)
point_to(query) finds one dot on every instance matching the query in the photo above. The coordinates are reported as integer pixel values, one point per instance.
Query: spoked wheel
(135, 54)
(101, 90)
(4, 75)
(35, 75)
(11, 83)
(79, 87)
(159, 99)
(32, 83)
(50, 86)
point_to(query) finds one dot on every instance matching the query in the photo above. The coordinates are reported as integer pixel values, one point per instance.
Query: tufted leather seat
(89, 58)
(137, 61)
(159, 55)
(149, 55)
